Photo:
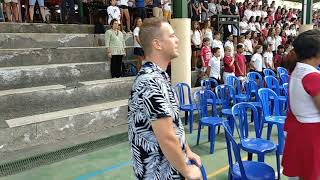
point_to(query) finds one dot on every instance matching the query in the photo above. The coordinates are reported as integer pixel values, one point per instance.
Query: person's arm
(316, 100)
(208, 71)
(107, 43)
(237, 66)
(204, 8)
(171, 149)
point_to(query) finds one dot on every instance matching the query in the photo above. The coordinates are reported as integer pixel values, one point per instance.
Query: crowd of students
(264, 39)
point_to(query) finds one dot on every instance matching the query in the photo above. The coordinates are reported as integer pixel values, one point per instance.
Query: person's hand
(193, 173)
(194, 157)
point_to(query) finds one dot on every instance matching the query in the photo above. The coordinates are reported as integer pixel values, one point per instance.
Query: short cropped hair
(149, 31)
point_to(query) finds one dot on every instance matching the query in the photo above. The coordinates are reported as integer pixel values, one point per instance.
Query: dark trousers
(116, 66)
(141, 12)
(63, 9)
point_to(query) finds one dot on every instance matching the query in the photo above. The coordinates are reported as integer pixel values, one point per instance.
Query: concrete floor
(114, 163)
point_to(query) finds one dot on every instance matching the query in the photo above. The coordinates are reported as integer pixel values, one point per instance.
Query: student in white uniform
(256, 60)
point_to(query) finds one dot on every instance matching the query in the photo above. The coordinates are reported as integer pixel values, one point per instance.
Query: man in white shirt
(214, 65)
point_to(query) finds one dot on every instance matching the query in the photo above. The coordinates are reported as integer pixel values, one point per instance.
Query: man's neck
(161, 62)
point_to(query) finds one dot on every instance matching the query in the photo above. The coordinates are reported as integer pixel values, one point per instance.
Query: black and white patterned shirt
(152, 97)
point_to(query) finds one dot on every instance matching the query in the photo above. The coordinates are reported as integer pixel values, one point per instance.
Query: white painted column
(181, 66)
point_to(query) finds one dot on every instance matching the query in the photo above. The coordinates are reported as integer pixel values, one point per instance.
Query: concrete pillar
(181, 66)
(305, 27)
(307, 11)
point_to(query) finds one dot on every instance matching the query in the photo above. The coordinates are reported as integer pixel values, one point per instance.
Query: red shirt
(240, 68)
(277, 60)
(206, 55)
(227, 67)
(270, 20)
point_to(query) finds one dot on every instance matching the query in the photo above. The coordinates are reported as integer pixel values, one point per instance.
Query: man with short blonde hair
(156, 134)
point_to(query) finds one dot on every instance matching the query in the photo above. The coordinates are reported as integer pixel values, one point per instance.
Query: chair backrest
(209, 83)
(281, 70)
(272, 83)
(286, 89)
(202, 169)
(226, 94)
(284, 78)
(181, 88)
(233, 149)
(269, 99)
(202, 96)
(241, 116)
(269, 72)
(251, 90)
(234, 82)
(254, 76)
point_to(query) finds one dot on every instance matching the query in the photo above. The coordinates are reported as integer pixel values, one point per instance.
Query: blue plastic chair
(234, 82)
(202, 169)
(286, 93)
(254, 76)
(255, 144)
(273, 84)
(281, 70)
(284, 78)
(318, 67)
(269, 72)
(252, 95)
(210, 84)
(272, 115)
(187, 108)
(226, 94)
(205, 120)
(244, 170)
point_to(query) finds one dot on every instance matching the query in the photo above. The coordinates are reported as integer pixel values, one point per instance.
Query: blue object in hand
(203, 171)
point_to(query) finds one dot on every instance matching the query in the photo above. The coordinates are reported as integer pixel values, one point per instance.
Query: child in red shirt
(240, 63)
(228, 62)
(205, 54)
(278, 58)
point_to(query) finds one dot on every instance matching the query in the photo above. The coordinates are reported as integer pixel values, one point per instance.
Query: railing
(228, 20)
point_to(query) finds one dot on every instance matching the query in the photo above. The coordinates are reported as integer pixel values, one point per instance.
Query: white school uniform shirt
(113, 13)
(248, 13)
(278, 41)
(215, 66)
(301, 103)
(244, 27)
(257, 62)
(123, 2)
(248, 46)
(218, 43)
(196, 37)
(272, 41)
(267, 59)
(136, 34)
(252, 27)
(264, 14)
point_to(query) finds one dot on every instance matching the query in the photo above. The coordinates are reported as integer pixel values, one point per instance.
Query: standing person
(63, 8)
(41, 5)
(214, 66)
(207, 31)
(240, 63)
(256, 60)
(156, 134)
(268, 58)
(138, 51)
(204, 10)
(278, 58)
(228, 62)
(217, 43)
(196, 10)
(167, 12)
(125, 13)
(12, 10)
(301, 157)
(205, 54)
(196, 37)
(113, 12)
(141, 10)
(157, 8)
(229, 43)
(115, 45)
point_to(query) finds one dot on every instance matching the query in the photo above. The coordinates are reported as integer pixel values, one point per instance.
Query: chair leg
(229, 175)
(212, 139)
(261, 157)
(278, 163)
(191, 122)
(186, 118)
(249, 156)
(219, 129)
(199, 132)
(280, 138)
(269, 131)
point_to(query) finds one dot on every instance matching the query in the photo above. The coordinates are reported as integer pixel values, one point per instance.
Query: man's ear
(156, 44)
